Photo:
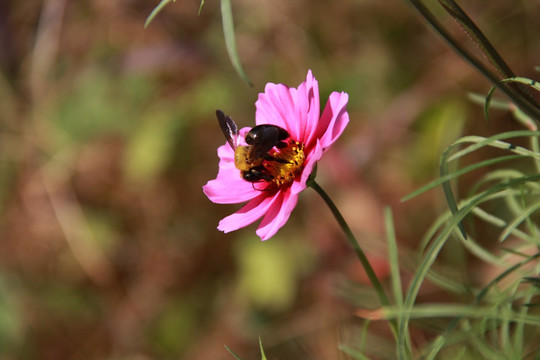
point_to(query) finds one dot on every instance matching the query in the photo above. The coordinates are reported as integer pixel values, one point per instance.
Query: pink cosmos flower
(311, 134)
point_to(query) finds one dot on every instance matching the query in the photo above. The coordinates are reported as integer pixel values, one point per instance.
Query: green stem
(524, 103)
(485, 46)
(354, 243)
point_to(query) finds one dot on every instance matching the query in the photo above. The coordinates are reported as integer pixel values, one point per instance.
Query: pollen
(287, 163)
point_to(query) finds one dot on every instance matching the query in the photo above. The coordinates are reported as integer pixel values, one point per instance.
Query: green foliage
(263, 356)
(522, 193)
(172, 331)
(269, 272)
(438, 126)
(521, 117)
(98, 104)
(149, 149)
(11, 322)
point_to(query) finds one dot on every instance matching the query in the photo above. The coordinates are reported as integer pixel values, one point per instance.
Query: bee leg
(267, 188)
(281, 145)
(272, 158)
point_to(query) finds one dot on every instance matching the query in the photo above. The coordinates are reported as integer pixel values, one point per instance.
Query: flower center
(287, 163)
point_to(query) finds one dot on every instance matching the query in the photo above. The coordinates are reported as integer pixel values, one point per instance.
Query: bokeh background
(109, 248)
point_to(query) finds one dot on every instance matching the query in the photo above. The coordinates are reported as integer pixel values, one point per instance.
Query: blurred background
(108, 246)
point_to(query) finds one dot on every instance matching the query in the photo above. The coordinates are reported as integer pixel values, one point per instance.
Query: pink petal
(249, 213)
(228, 187)
(277, 215)
(276, 106)
(296, 110)
(307, 107)
(333, 120)
(225, 191)
(310, 162)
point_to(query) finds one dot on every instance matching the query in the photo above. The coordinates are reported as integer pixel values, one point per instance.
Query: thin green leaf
(468, 332)
(533, 280)
(353, 352)
(535, 143)
(477, 36)
(504, 175)
(439, 242)
(503, 275)
(230, 39)
(200, 8)
(495, 103)
(156, 11)
(525, 213)
(481, 253)
(500, 223)
(524, 119)
(432, 230)
(263, 356)
(448, 193)
(525, 103)
(393, 259)
(479, 142)
(522, 80)
(232, 353)
(425, 311)
(444, 282)
(495, 141)
(519, 331)
(458, 173)
(487, 102)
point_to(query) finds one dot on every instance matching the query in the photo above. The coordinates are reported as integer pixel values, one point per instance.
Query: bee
(254, 160)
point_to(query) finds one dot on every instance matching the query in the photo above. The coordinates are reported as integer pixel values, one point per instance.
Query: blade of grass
(477, 36)
(522, 118)
(232, 353)
(393, 257)
(495, 103)
(462, 171)
(448, 193)
(263, 356)
(500, 223)
(504, 175)
(503, 275)
(439, 242)
(444, 282)
(395, 276)
(200, 7)
(479, 142)
(487, 102)
(467, 332)
(439, 310)
(481, 253)
(353, 352)
(156, 11)
(525, 213)
(518, 99)
(504, 331)
(523, 80)
(519, 332)
(230, 40)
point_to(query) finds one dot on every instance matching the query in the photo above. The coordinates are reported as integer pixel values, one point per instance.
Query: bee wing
(229, 128)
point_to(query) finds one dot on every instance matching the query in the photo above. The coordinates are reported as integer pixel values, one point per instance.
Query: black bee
(250, 159)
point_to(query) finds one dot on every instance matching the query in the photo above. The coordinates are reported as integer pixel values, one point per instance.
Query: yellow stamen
(288, 164)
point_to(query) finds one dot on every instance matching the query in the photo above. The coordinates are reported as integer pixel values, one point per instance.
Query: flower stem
(354, 243)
